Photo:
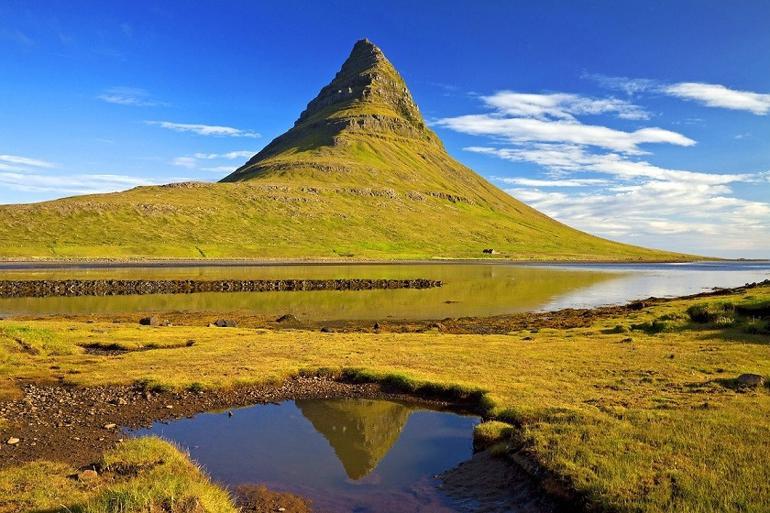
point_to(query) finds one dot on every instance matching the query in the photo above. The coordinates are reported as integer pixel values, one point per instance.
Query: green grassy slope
(359, 175)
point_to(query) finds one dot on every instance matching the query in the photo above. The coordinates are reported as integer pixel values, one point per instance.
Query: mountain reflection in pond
(360, 431)
(344, 454)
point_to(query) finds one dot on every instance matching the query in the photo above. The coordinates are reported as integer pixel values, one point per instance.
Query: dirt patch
(259, 499)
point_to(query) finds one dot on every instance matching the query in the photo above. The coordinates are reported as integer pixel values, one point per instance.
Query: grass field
(635, 414)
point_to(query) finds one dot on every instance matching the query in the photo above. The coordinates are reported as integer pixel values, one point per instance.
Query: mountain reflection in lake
(469, 289)
(344, 454)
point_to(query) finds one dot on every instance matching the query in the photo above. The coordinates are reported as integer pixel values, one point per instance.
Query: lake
(469, 289)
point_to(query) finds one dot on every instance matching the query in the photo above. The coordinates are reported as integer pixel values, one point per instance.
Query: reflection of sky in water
(660, 280)
(312, 447)
(469, 289)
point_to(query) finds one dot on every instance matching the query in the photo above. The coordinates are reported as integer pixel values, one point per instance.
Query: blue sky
(646, 122)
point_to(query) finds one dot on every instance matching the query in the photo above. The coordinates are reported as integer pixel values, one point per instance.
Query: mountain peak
(366, 84)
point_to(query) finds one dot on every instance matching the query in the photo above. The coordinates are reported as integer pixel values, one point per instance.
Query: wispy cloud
(17, 36)
(532, 182)
(196, 159)
(214, 130)
(630, 86)
(240, 154)
(523, 130)
(69, 184)
(25, 161)
(716, 95)
(710, 95)
(570, 158)
(130, 96)
(562, 106)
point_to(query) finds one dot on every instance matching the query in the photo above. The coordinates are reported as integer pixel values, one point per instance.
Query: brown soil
(259, 499)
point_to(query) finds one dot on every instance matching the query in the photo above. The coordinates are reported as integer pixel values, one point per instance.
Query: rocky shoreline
(48, 288)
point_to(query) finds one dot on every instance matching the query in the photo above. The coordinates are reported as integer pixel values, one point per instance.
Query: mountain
(358, 175)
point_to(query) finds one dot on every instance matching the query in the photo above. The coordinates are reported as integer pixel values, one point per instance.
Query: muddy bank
(77, 424)
(69, 288)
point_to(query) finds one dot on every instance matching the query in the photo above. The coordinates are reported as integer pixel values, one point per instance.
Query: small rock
(190, 343)
(281, 509)
(751, 380)
(169, 406)
(326, 329)
(376, 326)
(225, 323)
(287, 318)
(110, 426)
(87, 475)
(13, 441)
(229, 414)
(150, 321)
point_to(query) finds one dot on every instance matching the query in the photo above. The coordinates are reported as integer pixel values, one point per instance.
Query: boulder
(750, 380)
(87, 475)
(150, 321)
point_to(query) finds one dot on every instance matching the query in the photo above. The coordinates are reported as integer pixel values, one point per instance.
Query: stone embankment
(45, 288)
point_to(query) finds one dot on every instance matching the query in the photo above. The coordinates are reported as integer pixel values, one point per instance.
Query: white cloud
(561, 106)
(716, 95)
(574, 158)
(131, 96)
(241, 154)
(70, 184)
(24, 161)
(220, 169)
(630, 86)
(188, 162)
(215, 130)
(573, 182)
(536, 130)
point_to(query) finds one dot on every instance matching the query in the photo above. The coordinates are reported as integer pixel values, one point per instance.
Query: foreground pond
(469, 289)
(344, 454)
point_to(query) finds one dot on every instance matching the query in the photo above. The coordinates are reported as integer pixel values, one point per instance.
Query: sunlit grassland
(634, 419)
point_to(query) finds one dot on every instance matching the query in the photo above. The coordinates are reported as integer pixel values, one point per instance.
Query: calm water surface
(351, 455)
(469, 289)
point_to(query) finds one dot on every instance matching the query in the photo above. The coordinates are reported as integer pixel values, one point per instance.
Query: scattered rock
(287, 318)
(750, 380)
(150, 321)
(13, 441)
(87, 475)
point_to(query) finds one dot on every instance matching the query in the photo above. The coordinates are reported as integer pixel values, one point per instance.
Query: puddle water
(346, 455)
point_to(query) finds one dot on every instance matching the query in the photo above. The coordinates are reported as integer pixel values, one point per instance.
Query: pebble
(110, 426)
(13, 441)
